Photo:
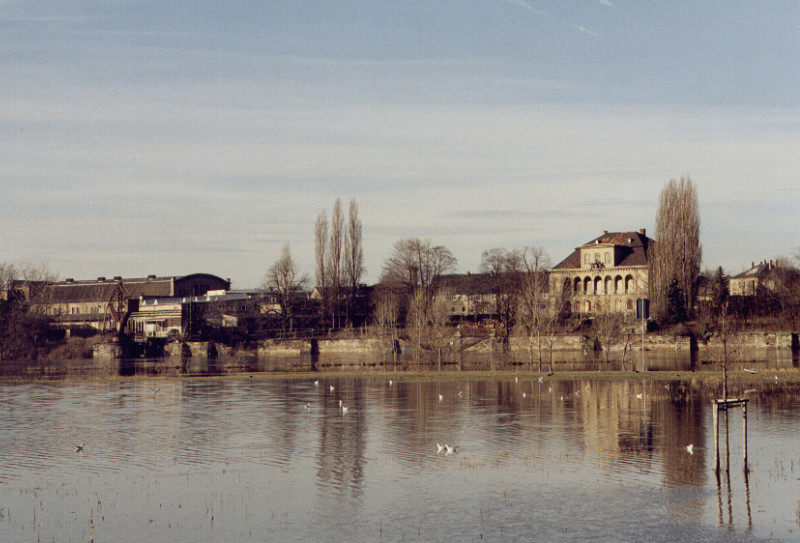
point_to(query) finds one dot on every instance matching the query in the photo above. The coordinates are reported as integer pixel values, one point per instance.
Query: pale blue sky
(177, 137)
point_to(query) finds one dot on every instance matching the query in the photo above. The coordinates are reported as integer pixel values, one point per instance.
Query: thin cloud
(605, 3)
(522, 4)
(585, 30)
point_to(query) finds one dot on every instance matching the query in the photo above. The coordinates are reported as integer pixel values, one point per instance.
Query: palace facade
(605, 275)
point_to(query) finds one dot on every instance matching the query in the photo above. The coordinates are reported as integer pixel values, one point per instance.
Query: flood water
(260, 460)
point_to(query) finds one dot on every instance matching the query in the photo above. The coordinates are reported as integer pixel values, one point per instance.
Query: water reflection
(236, 459)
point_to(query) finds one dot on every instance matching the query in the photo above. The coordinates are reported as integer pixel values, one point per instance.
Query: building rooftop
(633, 249)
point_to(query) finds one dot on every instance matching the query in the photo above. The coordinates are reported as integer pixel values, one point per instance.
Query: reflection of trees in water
(342, 441)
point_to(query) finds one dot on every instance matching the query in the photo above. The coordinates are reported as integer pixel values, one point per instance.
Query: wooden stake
(715, 413)
(744, 433)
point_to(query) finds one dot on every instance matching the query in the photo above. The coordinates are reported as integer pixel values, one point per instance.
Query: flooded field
(506, 460)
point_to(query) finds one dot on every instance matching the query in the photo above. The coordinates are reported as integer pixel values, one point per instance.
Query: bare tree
(416, 264)
(416, 316)
(320, 253)
(728, 347)
(427, 323)
(504, 268)
(607, 328)
(536, 315)
(677, 252)
(354, 253)
(386, 317)
(335, 249)
(286, 282)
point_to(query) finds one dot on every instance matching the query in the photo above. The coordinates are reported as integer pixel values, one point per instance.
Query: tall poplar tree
(354, 254)
(320, 253)
(335, 249)
(677, 252)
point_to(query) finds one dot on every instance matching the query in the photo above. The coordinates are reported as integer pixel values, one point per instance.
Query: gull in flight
(450, 450)
(541, 379)
(331, 388)
(316, 383)
(690, 448)
(441, 397)
(439, 448)
(344, 409)
(79, 448)
(639, 396)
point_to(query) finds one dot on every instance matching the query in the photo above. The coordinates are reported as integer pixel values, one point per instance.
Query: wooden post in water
(744, 434)
(716, 436)
(725, 404)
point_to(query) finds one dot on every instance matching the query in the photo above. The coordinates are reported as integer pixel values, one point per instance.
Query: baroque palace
(604, 275)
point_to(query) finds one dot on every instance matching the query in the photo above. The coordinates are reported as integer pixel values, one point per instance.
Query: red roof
(634, 248)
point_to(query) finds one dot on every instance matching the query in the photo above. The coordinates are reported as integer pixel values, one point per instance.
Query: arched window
(586, 258)
(608, 258)
(597, 306)
(618, 285)
(628, 284)
(588, 306)
(597, 257)
(587, 284)
(608, 286)
(630, 305)
(598, 285)
(577, 288)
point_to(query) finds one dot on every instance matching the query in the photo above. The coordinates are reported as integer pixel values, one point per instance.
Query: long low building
(102, 305)
(173, 317)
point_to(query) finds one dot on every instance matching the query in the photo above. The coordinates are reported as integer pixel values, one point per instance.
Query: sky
(169, 138)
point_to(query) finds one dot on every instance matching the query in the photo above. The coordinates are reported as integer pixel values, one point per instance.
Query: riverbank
(775, 377)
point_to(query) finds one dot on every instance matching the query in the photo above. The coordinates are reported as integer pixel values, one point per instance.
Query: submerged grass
(775, 376)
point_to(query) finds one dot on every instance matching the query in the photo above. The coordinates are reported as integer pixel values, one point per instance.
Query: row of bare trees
(409, 292)
(339, 260)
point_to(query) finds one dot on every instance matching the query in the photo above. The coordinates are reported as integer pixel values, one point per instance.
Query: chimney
(752, 264)
(643, 232)
(605, 232)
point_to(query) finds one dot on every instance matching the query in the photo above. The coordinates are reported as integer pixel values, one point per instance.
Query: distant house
(606, 274)
(216, 310)
(764, 278)
(469, 296)
(102, 304)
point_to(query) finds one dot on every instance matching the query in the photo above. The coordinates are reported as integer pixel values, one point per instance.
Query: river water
(189, 460)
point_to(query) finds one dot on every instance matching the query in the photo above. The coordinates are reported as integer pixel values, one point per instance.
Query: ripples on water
(250, 460)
